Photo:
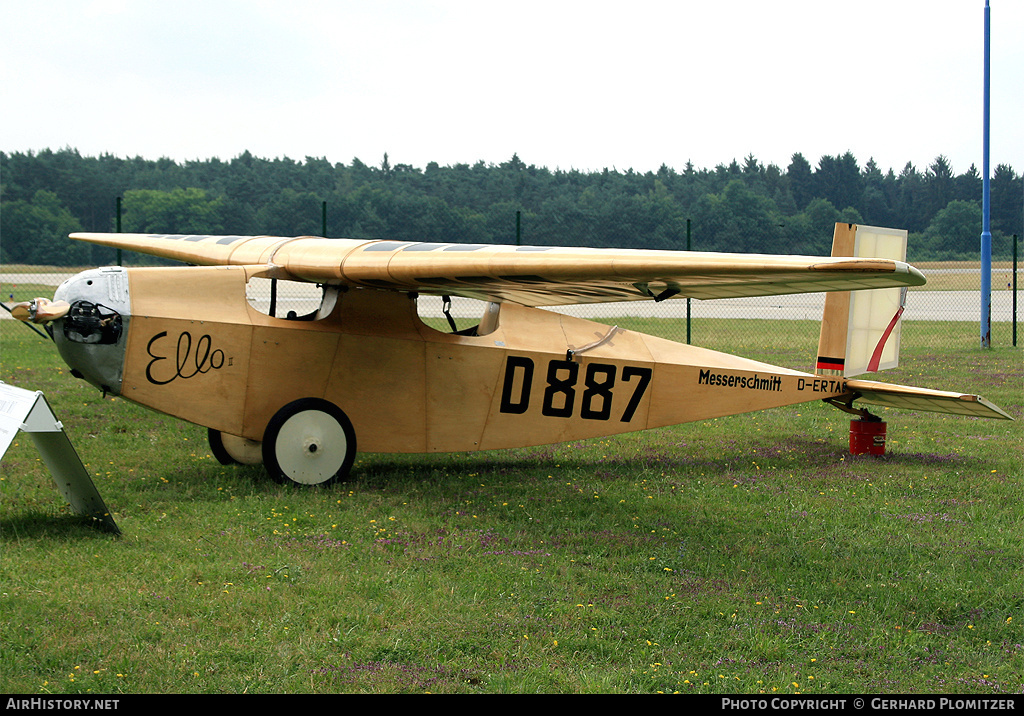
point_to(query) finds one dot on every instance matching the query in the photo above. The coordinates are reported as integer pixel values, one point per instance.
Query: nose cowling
(91, 336)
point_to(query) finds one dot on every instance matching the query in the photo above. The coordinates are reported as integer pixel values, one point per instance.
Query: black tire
(309, 442)
(217, 447)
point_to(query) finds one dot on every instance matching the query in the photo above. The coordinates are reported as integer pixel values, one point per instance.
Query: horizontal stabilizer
(935, 401)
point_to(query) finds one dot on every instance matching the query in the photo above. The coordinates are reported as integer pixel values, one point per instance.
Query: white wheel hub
(311, 447)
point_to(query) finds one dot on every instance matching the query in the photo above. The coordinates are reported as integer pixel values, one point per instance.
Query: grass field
(751, 554)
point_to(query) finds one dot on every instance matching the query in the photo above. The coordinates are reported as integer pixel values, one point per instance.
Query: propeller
(40, 310)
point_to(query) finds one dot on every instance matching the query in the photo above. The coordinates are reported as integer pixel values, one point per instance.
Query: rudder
(860, 330)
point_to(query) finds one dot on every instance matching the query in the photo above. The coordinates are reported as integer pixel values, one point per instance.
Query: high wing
(528, 275)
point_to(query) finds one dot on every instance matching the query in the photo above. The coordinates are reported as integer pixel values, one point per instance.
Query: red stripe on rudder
(877, 355)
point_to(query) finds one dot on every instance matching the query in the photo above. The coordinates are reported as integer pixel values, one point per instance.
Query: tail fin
(860, 330)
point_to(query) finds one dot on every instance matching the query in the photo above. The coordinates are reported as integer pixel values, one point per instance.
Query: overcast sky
(584, 85)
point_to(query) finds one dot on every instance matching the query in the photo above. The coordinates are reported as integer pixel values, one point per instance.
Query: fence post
(1014, 316)
(687, 298)
(119, 228)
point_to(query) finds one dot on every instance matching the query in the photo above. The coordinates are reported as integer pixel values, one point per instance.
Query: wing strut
(446, 309)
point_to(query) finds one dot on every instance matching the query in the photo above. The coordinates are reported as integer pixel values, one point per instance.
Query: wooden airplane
(299, 393)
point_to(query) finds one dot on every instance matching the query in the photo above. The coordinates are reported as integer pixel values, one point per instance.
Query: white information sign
(29, 412)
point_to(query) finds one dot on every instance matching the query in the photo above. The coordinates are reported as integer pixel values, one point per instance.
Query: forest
(743, 206)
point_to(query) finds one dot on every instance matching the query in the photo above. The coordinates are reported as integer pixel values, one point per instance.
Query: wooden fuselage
(198, 351)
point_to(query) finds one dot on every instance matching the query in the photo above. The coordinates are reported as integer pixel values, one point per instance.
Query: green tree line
(740, 206)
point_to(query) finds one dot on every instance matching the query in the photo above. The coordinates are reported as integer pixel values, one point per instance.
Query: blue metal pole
(986, 233)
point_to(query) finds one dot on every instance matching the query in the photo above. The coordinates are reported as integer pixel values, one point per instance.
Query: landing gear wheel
(309, 442)
(233, 450)
(218, 449)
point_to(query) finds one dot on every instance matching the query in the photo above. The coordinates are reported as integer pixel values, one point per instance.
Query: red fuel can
(867, 437)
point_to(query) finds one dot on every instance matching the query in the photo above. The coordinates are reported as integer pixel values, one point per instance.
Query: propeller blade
(40, 310)
(27, 325)
(21, 311)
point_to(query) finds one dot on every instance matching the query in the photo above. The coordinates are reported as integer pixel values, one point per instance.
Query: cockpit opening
(290, 300)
